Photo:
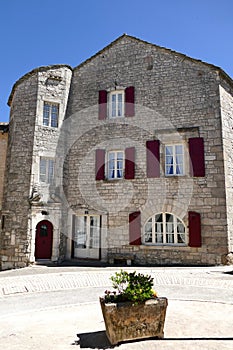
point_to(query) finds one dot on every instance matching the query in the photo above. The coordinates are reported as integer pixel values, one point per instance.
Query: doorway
(86, 237)
(44, 240)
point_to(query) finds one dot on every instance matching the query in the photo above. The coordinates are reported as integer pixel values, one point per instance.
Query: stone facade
(3, 150)
(176, 99)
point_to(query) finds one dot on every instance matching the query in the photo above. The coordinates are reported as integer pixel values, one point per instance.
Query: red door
(44, 239)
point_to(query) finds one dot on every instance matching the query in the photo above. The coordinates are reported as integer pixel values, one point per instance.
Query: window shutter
(129, 101)
(194, 229)
(129, 163)
(153, 158)
(197, 159)
(135, 228)
(100, 164)
(103, 104)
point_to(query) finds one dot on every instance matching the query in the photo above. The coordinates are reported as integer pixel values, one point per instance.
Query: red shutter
(103, 104)
(194, 229)
(129, 163)
(153, 158)
(197, 159)
(99, 164)
(135, 228)
(129, 101)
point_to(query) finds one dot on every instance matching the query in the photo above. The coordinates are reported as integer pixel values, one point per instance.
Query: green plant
(130, 286)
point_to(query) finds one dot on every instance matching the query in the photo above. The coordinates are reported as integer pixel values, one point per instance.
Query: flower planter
(129, 321)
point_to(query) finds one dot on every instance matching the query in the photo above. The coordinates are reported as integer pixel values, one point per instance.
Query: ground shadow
(228, 272)
(93, 340)
(99, 340)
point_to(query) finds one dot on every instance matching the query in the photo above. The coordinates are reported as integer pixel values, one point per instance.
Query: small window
(50, 114)
(46, 170)
(43, 231)
(164, 228)
(174, 160)
(115, 165)
(116, 104)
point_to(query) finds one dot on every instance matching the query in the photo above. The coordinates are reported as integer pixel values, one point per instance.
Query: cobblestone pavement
(199, 315)
(41, 278)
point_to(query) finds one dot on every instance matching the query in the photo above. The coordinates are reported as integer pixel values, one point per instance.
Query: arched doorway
(44, 240)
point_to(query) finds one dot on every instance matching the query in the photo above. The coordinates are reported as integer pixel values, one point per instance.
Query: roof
(44, 68)
(36, 70)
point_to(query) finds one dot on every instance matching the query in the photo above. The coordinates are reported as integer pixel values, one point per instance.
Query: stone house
(125, 157)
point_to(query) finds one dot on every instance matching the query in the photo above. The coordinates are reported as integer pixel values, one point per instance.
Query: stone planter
(128, 321)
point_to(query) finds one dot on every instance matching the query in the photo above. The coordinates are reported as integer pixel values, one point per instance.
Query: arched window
(164, 228)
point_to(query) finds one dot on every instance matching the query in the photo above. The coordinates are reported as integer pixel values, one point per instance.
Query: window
(46, 170)
(174, 160)
(164, 228)
(50, 114)
(116, 104)
(115, 165)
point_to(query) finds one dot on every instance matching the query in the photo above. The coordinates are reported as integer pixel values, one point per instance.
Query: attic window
(53, 80)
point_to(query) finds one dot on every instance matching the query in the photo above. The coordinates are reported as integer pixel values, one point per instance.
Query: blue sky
(42, 32)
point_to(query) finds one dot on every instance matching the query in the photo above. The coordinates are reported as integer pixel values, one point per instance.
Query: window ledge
(163, 246)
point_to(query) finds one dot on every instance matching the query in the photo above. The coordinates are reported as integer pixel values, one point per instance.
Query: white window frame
(160, 235)
(174, 156)
(46, 176)
(48, 115)
(115, 168)
(111, 110)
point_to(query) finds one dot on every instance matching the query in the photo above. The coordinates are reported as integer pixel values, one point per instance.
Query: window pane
(94, 232)
(169, 150)
(46, 112)
(179, 149)
(81, 232)
(119, 109)
(119, 164)
(169, 238)
(159, 238)
(169, 160)
(43, 231)
(113, 106)
(169, 170)
(120, 155)
(50, 170)
(169, 228)
(111, 165)
(43, 170)
(179, 169)
(54, 116)
(148, 231)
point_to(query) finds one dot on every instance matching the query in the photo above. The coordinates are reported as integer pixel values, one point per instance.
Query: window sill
(162, 246)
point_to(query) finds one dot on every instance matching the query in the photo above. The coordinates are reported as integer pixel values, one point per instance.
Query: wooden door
(44, 240)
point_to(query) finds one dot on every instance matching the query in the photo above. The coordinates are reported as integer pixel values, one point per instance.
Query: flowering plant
(130, 286)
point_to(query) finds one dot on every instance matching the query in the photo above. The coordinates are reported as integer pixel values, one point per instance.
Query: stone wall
(176, 98)
(14, 235)
(226, 99)
(3, 150)
(28, 141)
(53, 87)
